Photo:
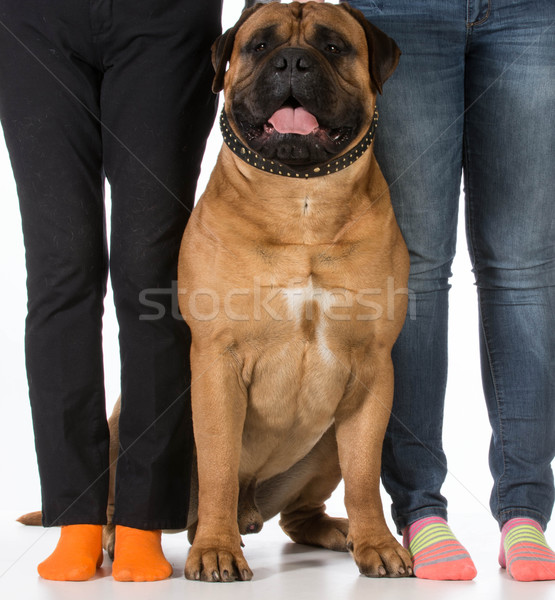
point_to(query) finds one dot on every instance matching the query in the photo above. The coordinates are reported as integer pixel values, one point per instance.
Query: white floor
(282, 570)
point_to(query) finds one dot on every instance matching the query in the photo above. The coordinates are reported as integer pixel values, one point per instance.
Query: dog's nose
(293, 59)
(254, 527)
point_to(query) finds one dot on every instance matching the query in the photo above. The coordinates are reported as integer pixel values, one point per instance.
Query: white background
(281, 569)
(466, 425)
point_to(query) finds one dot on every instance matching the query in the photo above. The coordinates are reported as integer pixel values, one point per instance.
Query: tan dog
(292, 278)
(290, 285)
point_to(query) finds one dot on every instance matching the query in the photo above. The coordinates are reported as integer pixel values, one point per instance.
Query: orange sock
(77, 555)
(138, 556)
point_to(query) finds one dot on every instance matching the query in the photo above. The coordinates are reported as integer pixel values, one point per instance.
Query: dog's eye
(333, 49)
(260, 47)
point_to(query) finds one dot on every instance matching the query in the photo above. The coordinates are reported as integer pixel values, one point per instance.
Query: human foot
(436, 553)
(77, 555)
(138, 556)
(524, 551)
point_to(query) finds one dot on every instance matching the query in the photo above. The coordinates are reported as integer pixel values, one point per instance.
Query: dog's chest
(297, 382)
(308, 308)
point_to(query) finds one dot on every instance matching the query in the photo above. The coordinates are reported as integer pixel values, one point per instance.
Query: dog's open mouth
(292, 118)
(294, 134)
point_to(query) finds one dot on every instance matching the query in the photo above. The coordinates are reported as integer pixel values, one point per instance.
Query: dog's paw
(382, 559)
(320, 530)
(216, 564)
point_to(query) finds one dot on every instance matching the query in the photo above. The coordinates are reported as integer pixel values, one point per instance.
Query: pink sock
(524, 551)
(436, 552)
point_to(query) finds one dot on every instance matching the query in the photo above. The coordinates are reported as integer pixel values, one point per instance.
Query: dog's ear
(383, 52)
(223, 47)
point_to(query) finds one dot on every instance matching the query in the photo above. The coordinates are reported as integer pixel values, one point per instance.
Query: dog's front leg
(360, 428)
(219, 406)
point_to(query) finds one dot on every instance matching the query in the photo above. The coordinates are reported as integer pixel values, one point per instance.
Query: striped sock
(524, 551)
(436, 552)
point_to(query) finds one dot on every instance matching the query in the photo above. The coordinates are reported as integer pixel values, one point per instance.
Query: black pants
(122, 88)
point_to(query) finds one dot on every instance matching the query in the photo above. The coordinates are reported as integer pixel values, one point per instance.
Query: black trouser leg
(158, 105)
(49, 107)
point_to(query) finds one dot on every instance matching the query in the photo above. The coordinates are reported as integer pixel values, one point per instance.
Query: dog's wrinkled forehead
(312, 24)
(296, 23)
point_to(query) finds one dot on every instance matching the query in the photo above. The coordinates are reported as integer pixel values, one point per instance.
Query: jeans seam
(497, 484)
(474, 250)
(372, 5)
(406, 519)
(482, 20)
(520, 513)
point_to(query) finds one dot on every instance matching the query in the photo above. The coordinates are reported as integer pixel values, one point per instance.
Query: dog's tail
(32, 518)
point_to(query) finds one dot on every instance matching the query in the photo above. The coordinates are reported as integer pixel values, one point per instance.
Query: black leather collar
(277, 168)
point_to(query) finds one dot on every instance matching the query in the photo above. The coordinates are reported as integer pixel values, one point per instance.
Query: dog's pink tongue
(293, 120)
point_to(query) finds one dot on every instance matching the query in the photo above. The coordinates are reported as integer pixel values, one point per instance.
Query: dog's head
(302, 79)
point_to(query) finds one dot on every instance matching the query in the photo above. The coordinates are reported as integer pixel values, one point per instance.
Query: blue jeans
(474, 93)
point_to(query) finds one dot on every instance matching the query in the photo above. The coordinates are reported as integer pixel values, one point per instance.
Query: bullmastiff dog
(292, 279)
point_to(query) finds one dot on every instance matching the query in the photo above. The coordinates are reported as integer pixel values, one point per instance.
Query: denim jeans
(474, 93)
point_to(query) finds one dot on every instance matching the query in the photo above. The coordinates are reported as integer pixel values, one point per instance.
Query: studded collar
(273, 166)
